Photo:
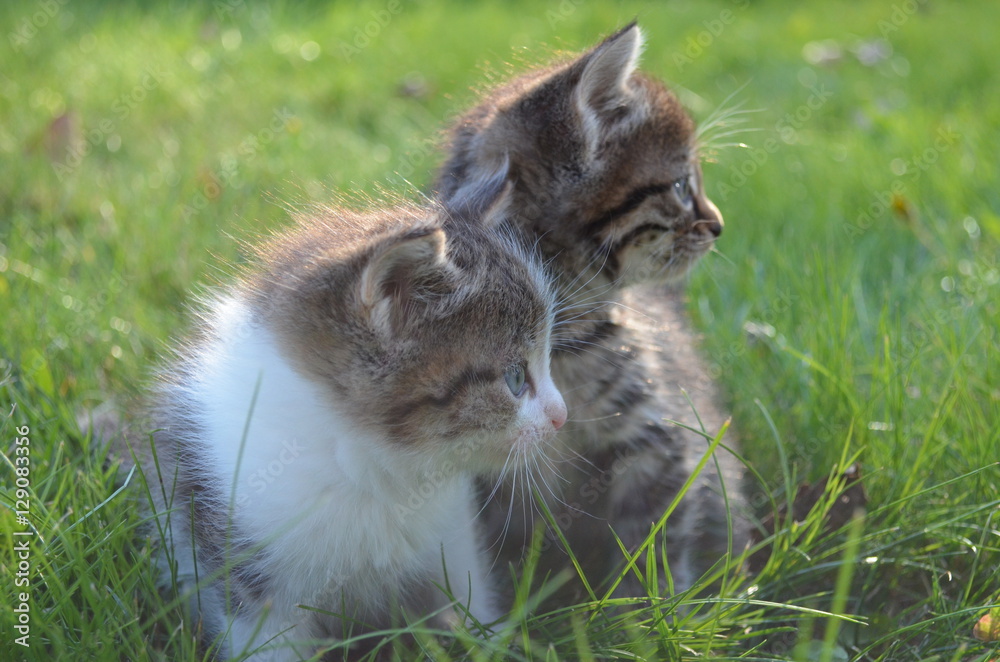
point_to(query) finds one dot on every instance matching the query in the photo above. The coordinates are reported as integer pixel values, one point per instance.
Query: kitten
(317, 439)
(607, 183)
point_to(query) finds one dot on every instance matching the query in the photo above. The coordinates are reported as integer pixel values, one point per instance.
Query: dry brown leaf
(807, 495)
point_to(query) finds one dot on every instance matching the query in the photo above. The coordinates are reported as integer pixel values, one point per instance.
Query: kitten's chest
(362, 548)
(351, 537)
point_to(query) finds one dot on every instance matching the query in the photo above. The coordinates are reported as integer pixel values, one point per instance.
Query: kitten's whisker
(741, 145)
(713, 141)
(597, 272)
(580, 303)
(725, 108)
(732, 132)
(573, 456)
(592, 299)
(581, 317)
(527, 483)
(499, 482)
(548, 488)
(733, 118)
(603, 304)
(545, 459)
(590, 264)
(716, 142)
(569, 346)
(593, 420)
(502, 537)
(579, 352)
(539, 478)
(573, 300)
(581, 308)
(575, 351)
(724, 122)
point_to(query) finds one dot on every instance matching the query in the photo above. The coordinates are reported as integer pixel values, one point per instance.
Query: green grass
(851, 312)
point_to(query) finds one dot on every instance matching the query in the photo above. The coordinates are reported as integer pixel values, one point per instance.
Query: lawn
(851, 313)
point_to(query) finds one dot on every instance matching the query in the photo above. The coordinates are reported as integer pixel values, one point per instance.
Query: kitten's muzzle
(553, 407)
(709, 217)
(557, 414)
(712, 227)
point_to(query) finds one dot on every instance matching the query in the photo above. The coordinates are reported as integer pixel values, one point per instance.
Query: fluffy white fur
(334, 506)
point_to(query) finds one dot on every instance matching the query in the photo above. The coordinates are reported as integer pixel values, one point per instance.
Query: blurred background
(850, 311)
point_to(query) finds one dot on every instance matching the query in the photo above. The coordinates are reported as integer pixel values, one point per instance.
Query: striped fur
(318, 436)
(606, 181)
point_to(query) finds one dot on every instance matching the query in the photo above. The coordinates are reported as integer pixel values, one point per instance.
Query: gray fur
(599, 185)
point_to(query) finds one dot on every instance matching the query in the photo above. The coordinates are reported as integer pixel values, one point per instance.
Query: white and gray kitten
(317, 437)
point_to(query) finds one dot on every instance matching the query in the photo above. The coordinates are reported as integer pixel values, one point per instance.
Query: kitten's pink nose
(557, 413)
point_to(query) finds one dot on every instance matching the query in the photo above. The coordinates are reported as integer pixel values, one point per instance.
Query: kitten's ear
(606, 70)
(485, 199)
(401, 273)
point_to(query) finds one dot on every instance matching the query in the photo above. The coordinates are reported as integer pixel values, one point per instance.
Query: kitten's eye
(514, 376)
(682, 189)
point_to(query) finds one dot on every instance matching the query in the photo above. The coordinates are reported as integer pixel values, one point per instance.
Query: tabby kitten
(606, 182)
(317, 439)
